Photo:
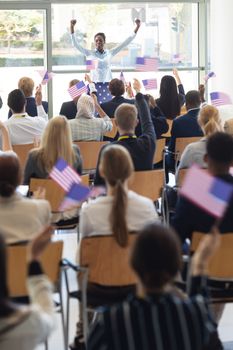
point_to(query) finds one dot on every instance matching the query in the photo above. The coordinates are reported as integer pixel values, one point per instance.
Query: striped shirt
(158, 322)
(90, 129)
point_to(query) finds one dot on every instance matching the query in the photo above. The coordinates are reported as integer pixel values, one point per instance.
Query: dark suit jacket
(31, 107)
(110, 106)
(69, 109)
(141, 148)
(189, 218)
(159, 122)
(184, 126)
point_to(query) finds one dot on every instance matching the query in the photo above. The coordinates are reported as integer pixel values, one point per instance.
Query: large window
(35, 36)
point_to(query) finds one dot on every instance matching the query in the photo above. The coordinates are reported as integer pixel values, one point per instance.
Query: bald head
(126, 118)
(10, 173)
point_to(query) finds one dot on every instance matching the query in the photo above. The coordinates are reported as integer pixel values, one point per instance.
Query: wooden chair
(182, 142)
(90, 152)
(147, 183)
(54, 193)
(113, 132)
(220, 268)
(104, 264)
(17, 266)
(160, 145)
(22, 152)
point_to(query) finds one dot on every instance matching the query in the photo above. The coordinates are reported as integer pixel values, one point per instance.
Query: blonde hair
(26, 85)
(126, 116)
(209, 120)
(116, 167)
(56, 143)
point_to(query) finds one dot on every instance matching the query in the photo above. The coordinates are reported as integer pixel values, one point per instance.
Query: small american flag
(150, 84)
(209, 75)
(77, 89)
(144, 64)
(64, 175)
(122, 77)
(46, 76)
(76, 195)
(220, 99)
(91, 64)
(207, 192)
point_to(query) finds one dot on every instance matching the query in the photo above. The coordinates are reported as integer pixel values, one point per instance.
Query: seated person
(69, 109)
(210, 122)
(120, 212)
(85, 126)
(159, 121)
(228, 126)
(188, 217)
(25, 327)
(27, 86)
(20, 217)
(186, 125)
(141, 148)
(56, 143)
(117, 90)
(171, 100)
(23, 128)
(159, 316)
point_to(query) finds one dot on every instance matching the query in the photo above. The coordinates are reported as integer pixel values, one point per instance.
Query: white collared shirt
(24, 129)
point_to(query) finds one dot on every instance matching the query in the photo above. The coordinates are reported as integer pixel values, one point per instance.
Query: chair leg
(67, 307)
(63, 318)
(46, 345)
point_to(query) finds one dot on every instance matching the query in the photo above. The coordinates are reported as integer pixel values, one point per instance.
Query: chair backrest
(160, 145)
(220, 265)
(54, 193)
(182, 142)
(113, 132)
(90, 152)
(108, 263)
(168, 133)
(22, 152)
(17, 266)
(147, 183)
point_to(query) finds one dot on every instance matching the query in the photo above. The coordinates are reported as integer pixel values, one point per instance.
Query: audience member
(69, 109)
(188, 217)
(56, 143)
(25, 327)
(210, 122)
(120, 212)
(85, 126)
(140, 148)
(23, 128)
(117, 90)
(20, 217)
(27, 86)
(228, 126)
(186, 125)
(170, 101)
(159, 121)
(120, 208)
(159, 316)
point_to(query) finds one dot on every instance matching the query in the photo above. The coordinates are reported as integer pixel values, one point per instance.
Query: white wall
(221, 53)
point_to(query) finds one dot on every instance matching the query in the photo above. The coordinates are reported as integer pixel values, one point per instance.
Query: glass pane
(168, 31)
(21, 49)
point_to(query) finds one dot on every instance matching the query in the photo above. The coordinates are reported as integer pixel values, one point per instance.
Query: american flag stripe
(77, 89)
(220, 99)
(150, 84)
(144, 64)
(65, 178)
